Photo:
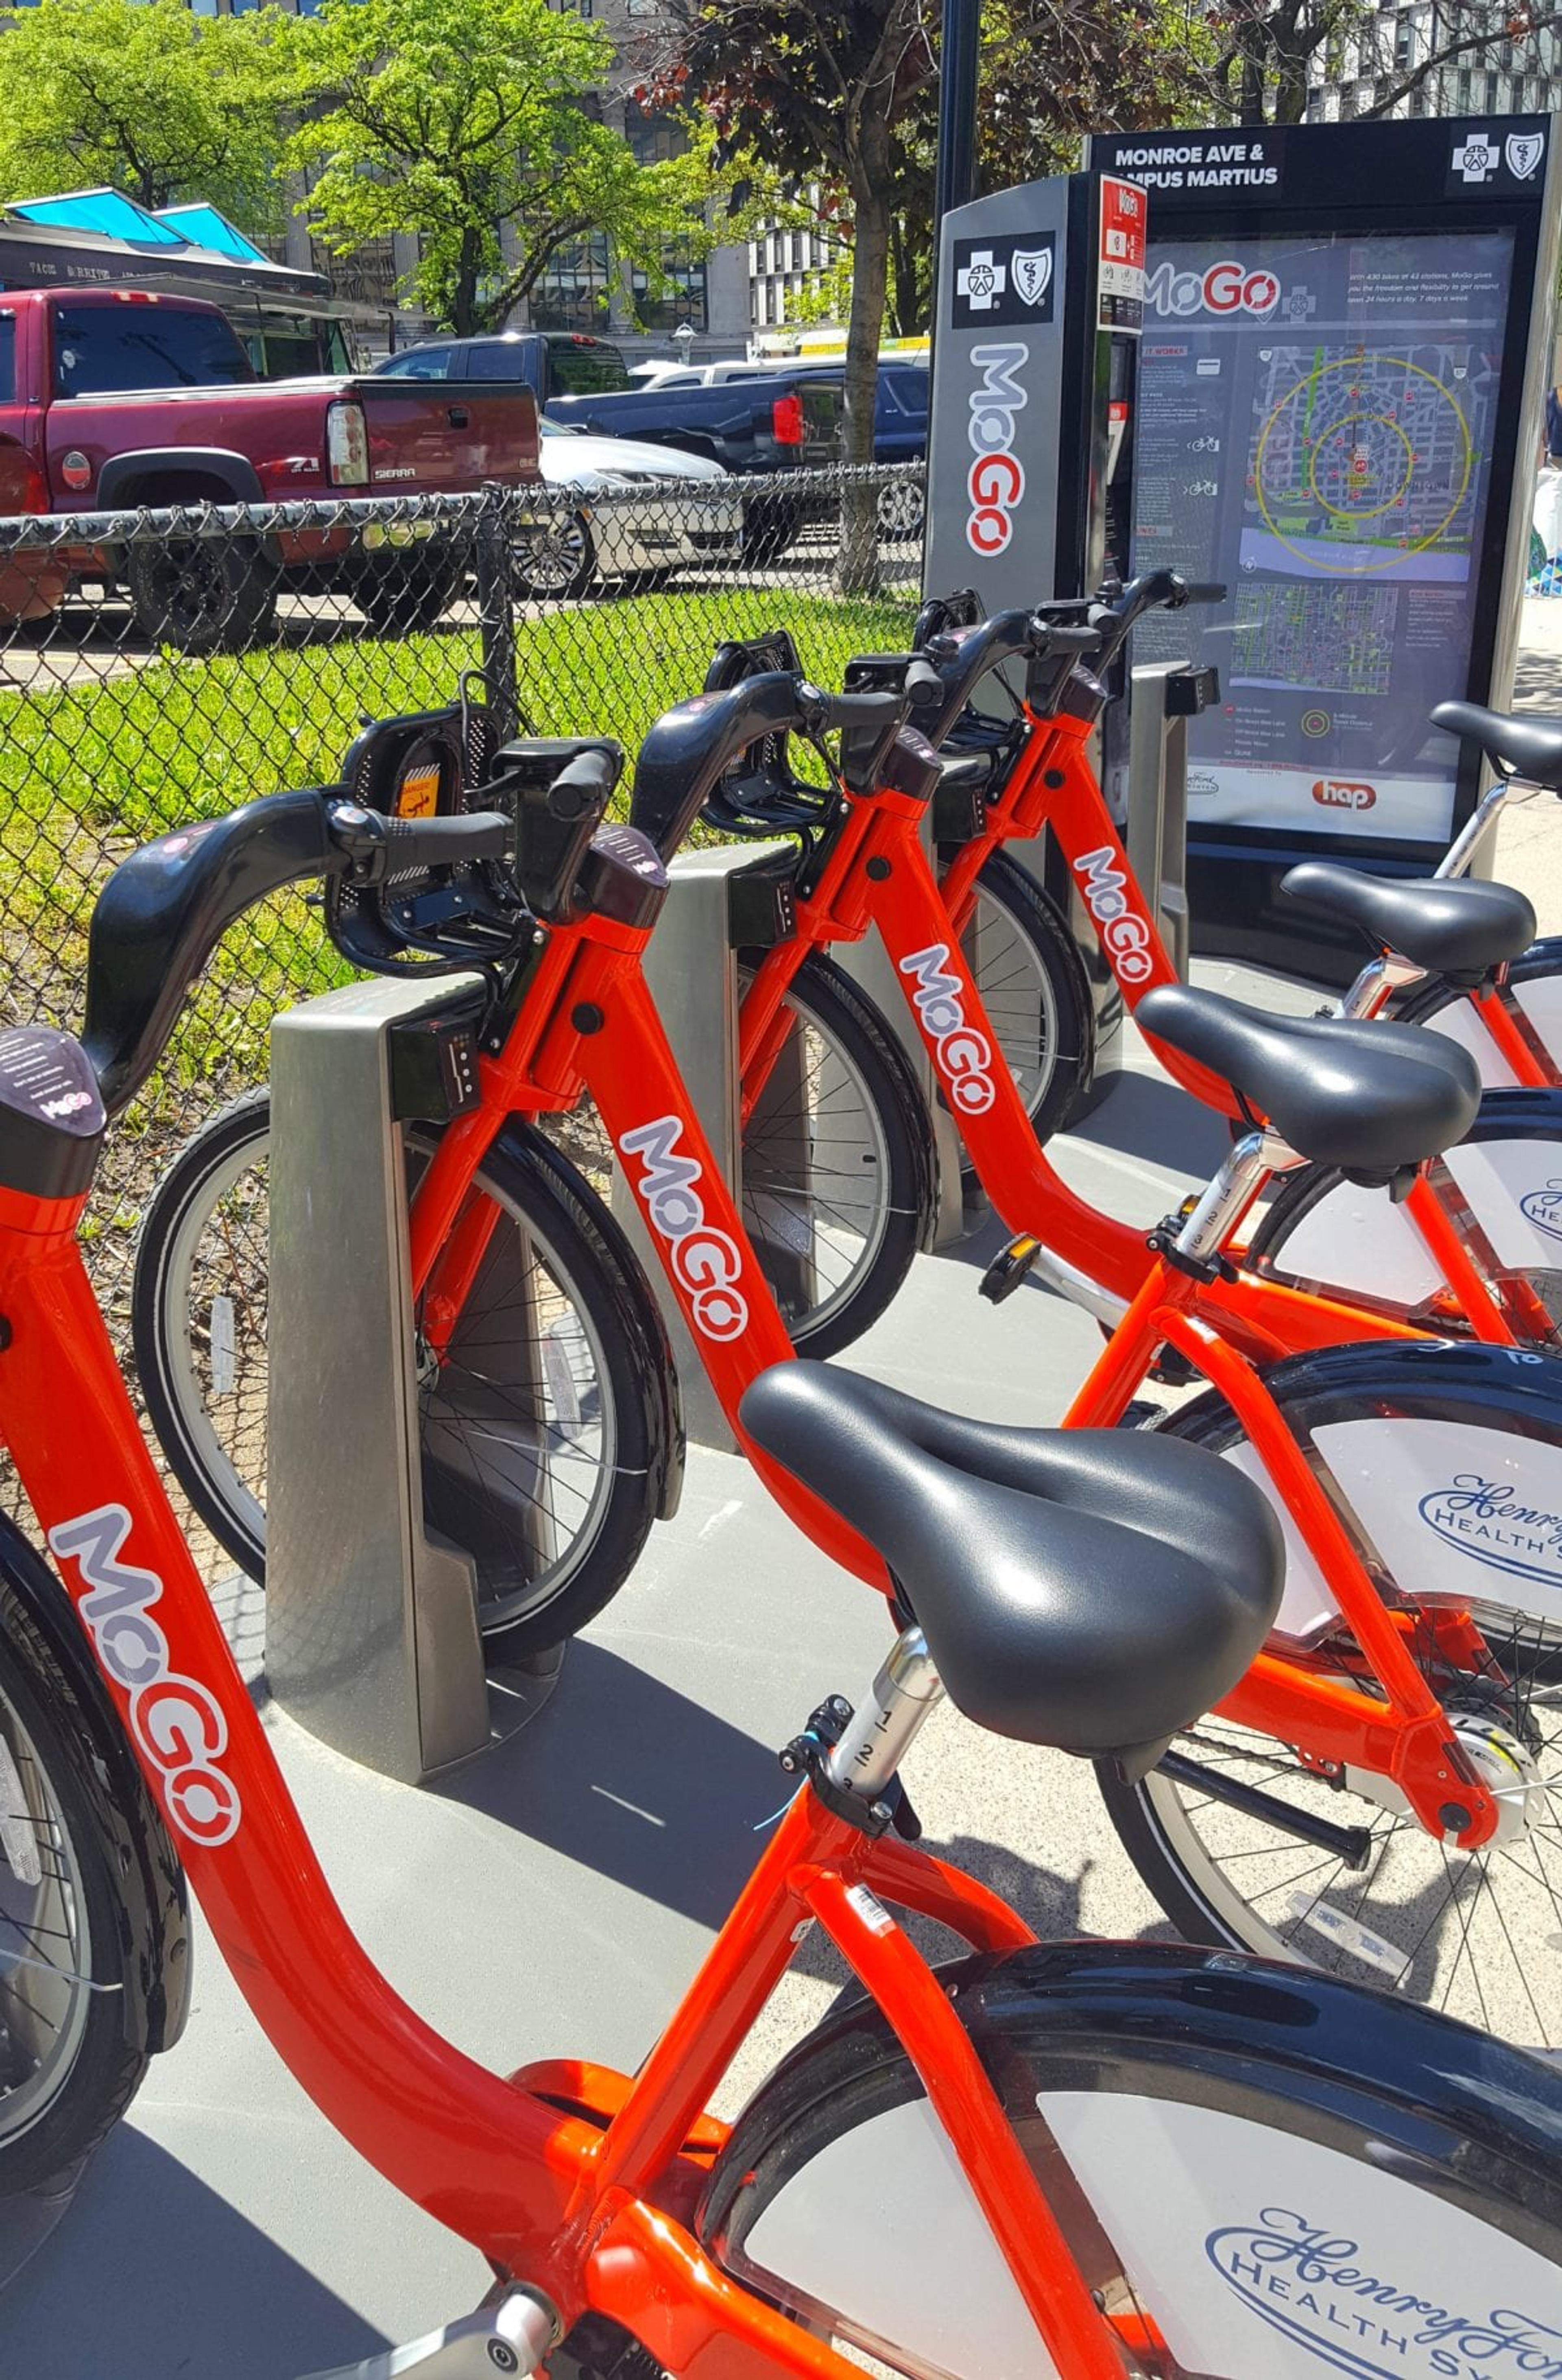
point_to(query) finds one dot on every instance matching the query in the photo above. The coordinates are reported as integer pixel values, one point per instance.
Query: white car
(611, 532)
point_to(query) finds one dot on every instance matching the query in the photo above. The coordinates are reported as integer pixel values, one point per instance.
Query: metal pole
(955, 181)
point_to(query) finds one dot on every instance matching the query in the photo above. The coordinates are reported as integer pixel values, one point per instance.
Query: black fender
(162, 914)
(1460, 2113)
(1542, 957)
(153, 475)
(1515, 1389)
(639, 1312)
(151, 1902)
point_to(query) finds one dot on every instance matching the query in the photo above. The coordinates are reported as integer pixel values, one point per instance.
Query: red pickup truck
(111, 398)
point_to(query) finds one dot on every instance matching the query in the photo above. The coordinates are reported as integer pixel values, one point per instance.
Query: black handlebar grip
(1204, 591)
(444, 842)
(1069, 640)
(583, 785)
(873, 708)
(923, 685)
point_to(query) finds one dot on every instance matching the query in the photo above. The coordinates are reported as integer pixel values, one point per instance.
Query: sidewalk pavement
(1529, 844)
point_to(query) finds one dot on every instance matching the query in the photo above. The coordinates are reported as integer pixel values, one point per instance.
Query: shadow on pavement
(195, 2288)
(1537, 682)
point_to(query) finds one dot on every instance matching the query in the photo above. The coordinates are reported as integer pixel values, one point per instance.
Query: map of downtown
(1314, 430)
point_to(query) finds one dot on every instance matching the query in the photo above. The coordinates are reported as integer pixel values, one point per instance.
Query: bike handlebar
(372, 847)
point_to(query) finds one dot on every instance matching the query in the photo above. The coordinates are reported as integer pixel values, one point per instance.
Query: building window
(573, 293)
(683, 297)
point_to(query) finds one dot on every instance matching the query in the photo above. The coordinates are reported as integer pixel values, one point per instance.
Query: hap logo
(1340, 794)
(964, 1056)
(705, 1261)
(997, 477)
(177, 1723)
(1341, 2301)
(1488, 1520)
(1124, 935)
(1543, 1208)
(1224, 289)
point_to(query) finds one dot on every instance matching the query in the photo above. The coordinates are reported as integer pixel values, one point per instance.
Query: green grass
(88, 770)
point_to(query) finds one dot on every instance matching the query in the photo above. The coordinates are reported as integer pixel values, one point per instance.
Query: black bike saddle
(1457, 925)
(1095, 1590)
(1531, 748)
(1373, 1099)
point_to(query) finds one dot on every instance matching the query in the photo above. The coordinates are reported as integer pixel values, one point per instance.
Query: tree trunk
(857, 568)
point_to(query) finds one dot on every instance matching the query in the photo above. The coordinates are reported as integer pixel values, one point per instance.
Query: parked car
(562, 554)
(114, 398)
(778, 423)
(551, 363)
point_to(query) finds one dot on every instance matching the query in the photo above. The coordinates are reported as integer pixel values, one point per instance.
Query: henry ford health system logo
(1340, 2301)
(1488, 1520)
(997, 477)
(177, 1723)
(963, 1057)
(705, 1261)
(1543, 1208)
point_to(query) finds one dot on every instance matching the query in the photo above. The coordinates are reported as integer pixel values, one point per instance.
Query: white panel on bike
(919, 2269)
(1514, 1190)
(1359, 1241)
(1541, 1001)
(1473, 1515)
(1307, 1606)
(1458, 1022)
(1256, 2252)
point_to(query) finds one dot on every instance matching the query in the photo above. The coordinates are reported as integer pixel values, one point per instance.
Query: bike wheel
(1368, 1894)
(72, 1966)
(1034, 987)
(544, 1442)
(1229, 2149)
(839, 1178)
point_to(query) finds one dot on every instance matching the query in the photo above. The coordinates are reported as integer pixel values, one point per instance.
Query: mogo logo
(177, 1723)
(1225, 288)
(997, 478)
(1339, 794)
(706, 1262)
(1124, 934)
(1340, 2302)
(1488, 1520)
(963, 1057)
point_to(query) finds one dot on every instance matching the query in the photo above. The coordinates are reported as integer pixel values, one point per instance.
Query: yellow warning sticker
(418, 796)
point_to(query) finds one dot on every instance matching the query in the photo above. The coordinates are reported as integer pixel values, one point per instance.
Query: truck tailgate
(446, 435)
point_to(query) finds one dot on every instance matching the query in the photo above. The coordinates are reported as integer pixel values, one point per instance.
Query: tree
(470, 123)
(148, 96)
(1270, 52)
(828, 90)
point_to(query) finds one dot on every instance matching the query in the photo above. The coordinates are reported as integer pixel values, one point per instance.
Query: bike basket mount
(759, 793)
(414, 917)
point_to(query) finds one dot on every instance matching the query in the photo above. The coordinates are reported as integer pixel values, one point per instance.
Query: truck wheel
(555, 559)
(202, 594)
(405, 597)
(769, 528)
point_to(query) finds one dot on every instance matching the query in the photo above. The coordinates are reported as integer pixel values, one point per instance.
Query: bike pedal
(509, 2335)
(1009, 1269)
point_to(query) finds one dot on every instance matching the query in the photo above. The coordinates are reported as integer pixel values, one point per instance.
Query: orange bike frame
(594, 2207)
(589, 1023)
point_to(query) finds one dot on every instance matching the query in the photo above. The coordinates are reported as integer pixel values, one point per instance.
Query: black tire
(586, 1264)
(555, 561)
(1156, 2095)
(405, 599)
(1454, 1929)
(859, 1246)
(1034, 990)
(61, 1741)
(771, 527)
(203, 595)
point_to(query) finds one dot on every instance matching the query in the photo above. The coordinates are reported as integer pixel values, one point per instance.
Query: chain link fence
(157, 667)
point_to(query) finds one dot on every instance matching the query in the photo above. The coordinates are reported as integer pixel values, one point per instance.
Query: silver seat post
(1456, 861)
(883, 1727)
(1377, 984)
(1224, 1203)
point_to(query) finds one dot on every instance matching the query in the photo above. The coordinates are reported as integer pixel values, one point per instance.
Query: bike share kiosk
(1338, 406)
(1040, 295)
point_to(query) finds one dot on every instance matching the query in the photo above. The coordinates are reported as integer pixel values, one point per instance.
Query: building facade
(1494, 76)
